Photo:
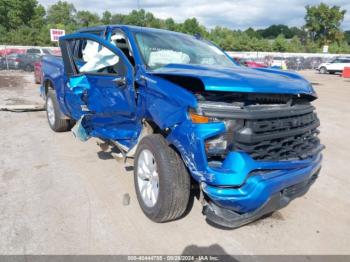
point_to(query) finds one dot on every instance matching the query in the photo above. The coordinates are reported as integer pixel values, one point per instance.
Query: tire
(28, 68)
(56, 123)
(323, 70)
(173, 182)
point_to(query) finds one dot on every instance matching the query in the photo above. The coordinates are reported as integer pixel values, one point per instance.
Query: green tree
(106, 18)
(323, 23)
(86, 18)
(347, 36)
(280, 44)
(274, 31)
(61, 13)
(295, 45)
(192, 27)
(16, 13)
(169, 24)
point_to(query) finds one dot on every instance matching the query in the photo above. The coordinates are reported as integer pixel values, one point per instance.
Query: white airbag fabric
(164, 57)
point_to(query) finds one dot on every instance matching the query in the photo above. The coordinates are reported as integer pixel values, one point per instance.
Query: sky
(235, 14)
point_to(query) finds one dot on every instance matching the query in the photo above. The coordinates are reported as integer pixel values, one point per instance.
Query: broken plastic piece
(79, 131)
(79, 84)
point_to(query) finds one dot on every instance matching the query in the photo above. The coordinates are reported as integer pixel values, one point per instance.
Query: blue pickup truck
(243, 141)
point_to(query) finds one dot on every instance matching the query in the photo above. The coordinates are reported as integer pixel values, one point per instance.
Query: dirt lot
(61, 196)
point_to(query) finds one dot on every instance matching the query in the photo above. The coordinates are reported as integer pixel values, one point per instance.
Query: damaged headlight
(218, 145)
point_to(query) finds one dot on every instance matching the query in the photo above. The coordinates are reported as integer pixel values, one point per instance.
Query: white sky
(235, 14)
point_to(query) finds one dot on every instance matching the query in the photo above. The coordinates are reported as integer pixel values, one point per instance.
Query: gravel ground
(61, 196)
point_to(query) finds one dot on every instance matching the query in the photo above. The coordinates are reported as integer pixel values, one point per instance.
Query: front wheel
(161, 180)
(323, 70)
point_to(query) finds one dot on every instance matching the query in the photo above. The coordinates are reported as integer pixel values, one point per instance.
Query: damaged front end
(251, 153)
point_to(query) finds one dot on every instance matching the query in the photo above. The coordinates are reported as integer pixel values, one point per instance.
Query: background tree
(25, 22)
(106, 18)
(16, 13)
(86, 18)
(323, 23)
(61, 13)
(280, 44)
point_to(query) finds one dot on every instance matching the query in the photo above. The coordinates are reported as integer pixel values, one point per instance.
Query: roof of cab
(127, 27)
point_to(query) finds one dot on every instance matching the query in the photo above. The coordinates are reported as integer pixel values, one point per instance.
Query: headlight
(216, 146)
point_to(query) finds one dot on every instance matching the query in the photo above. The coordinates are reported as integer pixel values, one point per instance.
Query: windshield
(160, 48)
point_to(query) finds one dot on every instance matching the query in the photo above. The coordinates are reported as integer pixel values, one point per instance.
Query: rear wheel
(28, 68)
(323, 70)
(56, 123)
(161, 180)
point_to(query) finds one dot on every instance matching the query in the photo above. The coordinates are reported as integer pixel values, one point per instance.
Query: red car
(253, 64)
(249, 63)
(38, 75)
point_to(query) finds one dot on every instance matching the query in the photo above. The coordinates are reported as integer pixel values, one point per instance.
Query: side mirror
(120, 81)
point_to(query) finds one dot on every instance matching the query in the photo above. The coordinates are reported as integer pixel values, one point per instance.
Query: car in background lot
(334, 66)
(19, 61)
(249, 63)
(11, 61)
(278, 62)
(39, 51)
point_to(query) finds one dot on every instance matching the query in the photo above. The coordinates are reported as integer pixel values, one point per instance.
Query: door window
(91, 57)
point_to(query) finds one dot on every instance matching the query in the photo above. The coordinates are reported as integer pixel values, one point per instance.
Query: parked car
(12, 61)
(334, 66)
(278, 62)
(249, 62)
(39, 51)
(38, 75)
(27, 62)
(2, 63)
(247, 139)
(20, 61)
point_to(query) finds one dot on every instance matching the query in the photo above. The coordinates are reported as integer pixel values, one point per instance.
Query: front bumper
(260, 185)
(230, 219)
(241, 185)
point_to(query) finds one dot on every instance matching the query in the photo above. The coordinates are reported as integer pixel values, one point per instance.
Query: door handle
(119, 81)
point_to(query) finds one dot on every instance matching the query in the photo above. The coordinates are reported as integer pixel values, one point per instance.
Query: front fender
(167, 103)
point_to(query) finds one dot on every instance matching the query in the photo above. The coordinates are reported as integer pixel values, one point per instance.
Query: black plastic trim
(254, 112)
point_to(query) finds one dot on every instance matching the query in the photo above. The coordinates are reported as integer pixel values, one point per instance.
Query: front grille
(283, 138)
(271, 132)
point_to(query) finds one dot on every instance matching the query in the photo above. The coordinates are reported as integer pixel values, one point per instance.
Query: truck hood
(241, 79)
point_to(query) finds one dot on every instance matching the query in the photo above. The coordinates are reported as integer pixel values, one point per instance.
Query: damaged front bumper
(263, 192)
(240, 189)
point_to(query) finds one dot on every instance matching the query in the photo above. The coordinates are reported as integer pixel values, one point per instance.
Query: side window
(91, 57)
(33, 51)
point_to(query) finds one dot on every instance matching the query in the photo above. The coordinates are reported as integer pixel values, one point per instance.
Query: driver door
(100, 87)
